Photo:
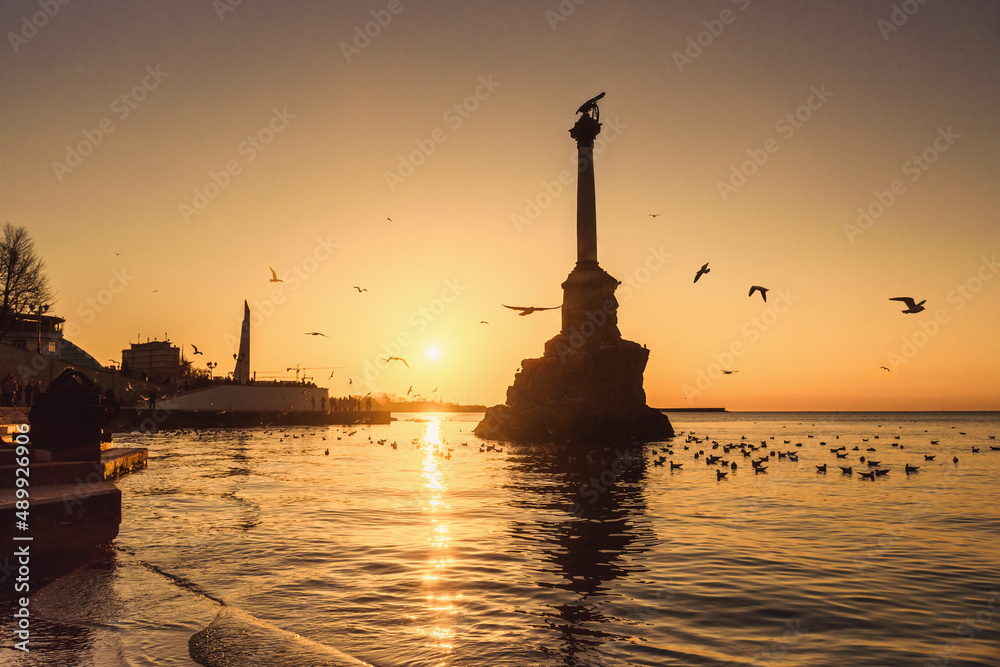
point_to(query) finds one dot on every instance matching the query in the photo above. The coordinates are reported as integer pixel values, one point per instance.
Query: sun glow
(433, 352)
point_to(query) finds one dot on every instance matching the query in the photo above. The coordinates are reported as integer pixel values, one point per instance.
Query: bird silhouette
(758, 288)
(590, 104)
(331, 375)
(702, 271)
(728, 372)
(388, 218)
(409, 390)
(196, 349)
(528, 310)
(274, 277)
(483, 322)
(360, 289)
(316, 333)
(884, 369)
(911, 305)
(388, 359)
(654, 215)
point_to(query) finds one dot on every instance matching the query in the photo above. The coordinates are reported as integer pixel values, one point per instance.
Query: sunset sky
(164, 155)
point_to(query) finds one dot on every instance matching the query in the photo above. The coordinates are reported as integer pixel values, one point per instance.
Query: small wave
(237, 638)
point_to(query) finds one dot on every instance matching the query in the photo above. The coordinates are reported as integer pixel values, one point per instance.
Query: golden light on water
(439, 604)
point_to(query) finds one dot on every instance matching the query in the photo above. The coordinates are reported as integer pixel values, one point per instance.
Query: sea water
(435, 552)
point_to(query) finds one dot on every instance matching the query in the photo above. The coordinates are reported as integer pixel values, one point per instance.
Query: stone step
(114, 463)
(62, 521)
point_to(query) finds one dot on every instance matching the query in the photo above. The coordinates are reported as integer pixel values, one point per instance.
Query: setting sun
(433, 352)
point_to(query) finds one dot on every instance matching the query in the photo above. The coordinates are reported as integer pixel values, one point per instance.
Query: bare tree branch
(24, 284)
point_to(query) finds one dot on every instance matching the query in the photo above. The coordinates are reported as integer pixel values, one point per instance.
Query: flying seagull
(762, 290)
(388, 359)
(196, 349)
(911, 305)
(483, 322)
(528, 310)
(409, 390)
(331, 375)
(654, 215)
(360, 290)
(702, 271)
(728, 372)
(316, 333)
(885, 369)
(274, 277)
(388, 218)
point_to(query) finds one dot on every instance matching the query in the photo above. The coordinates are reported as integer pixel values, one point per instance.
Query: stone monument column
(589, 305)
(585, 131)
(587, 386)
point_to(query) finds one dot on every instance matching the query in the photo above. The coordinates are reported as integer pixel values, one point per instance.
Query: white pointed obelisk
(241, 374)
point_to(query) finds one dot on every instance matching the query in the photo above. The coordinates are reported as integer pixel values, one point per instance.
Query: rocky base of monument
(588, 393)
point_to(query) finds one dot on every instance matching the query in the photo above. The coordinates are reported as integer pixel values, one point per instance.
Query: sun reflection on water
(440, 603)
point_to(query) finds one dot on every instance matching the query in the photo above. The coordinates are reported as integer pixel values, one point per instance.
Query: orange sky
(164, 156)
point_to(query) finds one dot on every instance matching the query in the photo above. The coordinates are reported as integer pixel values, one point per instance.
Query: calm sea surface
(437, 553)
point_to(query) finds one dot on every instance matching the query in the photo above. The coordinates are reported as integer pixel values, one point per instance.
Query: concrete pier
(164, 419)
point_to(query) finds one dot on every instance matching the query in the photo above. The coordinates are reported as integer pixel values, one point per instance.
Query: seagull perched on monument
(590, 105)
